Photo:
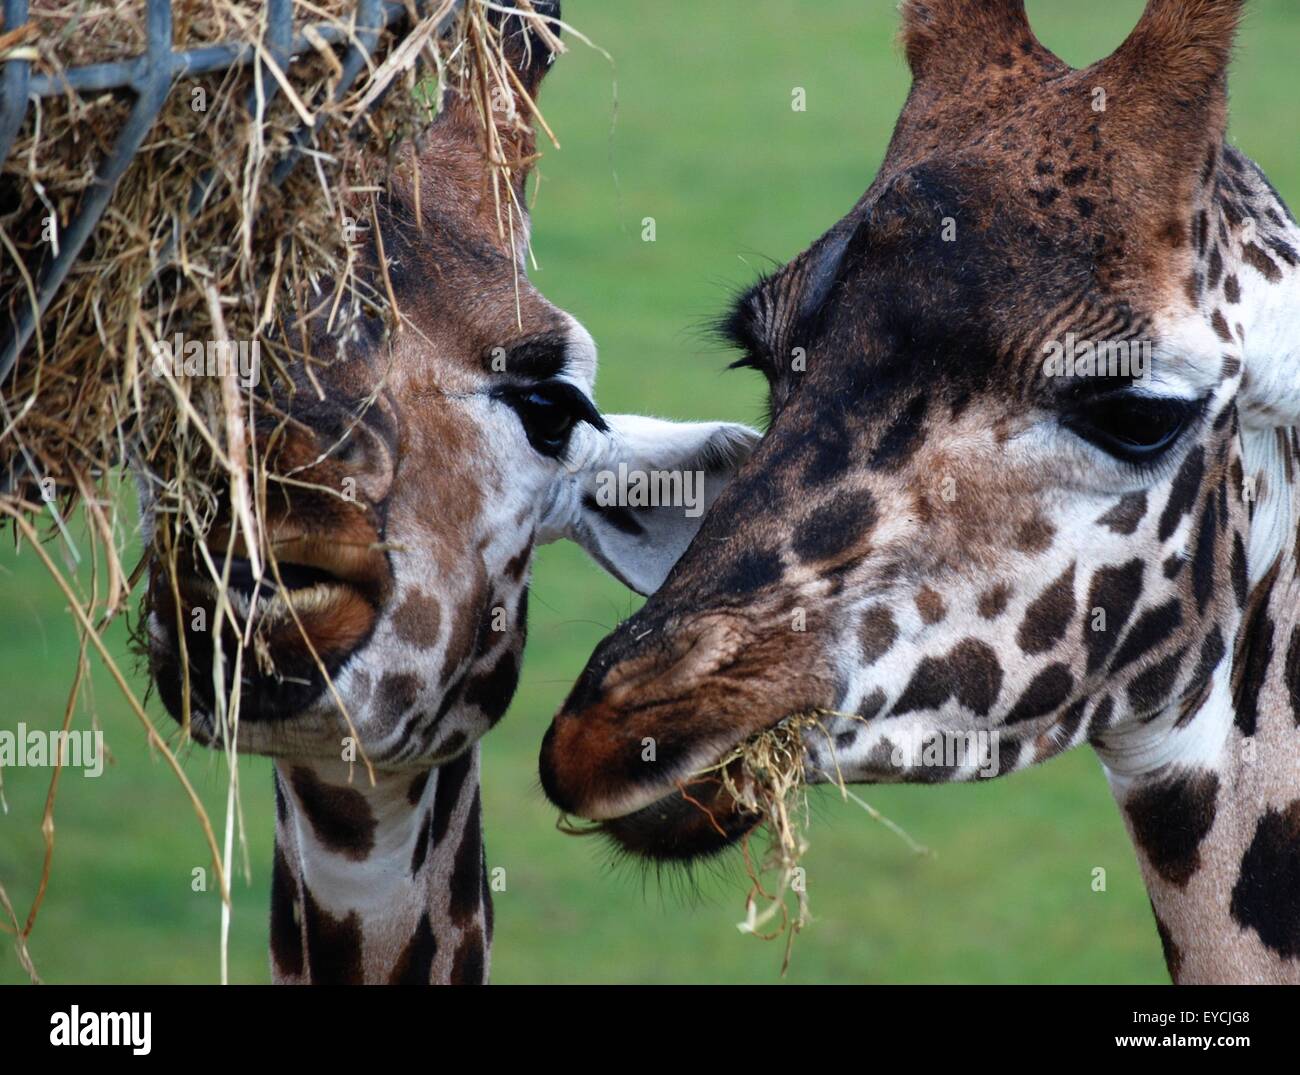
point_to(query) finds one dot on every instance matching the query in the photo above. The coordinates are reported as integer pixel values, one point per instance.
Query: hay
(767, 776)
(83, 397)
(226, 226)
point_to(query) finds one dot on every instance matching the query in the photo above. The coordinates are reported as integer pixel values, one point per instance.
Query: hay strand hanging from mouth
(767, 775)
(767, 779)
(774, 764)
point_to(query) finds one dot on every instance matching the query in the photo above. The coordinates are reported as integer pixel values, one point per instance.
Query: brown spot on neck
(993, 602)
(341, 818)
(469, 966)
(1035, 535)
(1170, 816)
(417, 619)
(333, 945)
(415, 964)
(878, 633)
(930, 605)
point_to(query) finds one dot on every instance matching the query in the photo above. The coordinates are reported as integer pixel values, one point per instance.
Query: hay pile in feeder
(237, 220)
(204, 235)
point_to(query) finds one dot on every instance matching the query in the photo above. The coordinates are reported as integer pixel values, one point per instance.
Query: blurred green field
(706, 143)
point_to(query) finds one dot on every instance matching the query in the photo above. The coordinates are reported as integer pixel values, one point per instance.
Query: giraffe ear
(641, 492)
(1168, 80)
(947, 40)
(1179, 48)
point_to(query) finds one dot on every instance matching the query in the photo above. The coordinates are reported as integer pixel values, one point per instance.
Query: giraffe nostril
(625, 652)
(366, 459)
(586, 691)
(351, 453)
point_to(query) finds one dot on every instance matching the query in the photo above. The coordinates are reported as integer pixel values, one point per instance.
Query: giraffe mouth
(657, 719)
(698, 819)
(303, 574)
(668, 819)
(295, 554)
(314, 603)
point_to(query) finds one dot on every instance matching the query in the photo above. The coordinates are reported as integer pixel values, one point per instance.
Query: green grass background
(705, 142)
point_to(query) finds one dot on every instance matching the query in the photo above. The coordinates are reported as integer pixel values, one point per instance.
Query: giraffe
(951, 538)
(468, 436)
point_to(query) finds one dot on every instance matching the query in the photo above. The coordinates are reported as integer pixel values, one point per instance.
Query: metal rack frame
(151, 76)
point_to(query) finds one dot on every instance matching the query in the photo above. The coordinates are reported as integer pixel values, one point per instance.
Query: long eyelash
(748, 361)
(1192, 411)
(1159, 472)
(1149, 475)
(583, 409)
(735, 328)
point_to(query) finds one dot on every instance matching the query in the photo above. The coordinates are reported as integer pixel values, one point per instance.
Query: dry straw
(767, 776)
(228, 225)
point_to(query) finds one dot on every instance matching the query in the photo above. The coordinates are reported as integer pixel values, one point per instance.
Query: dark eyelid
(1080, 401)
(564, 394)
(540, 357)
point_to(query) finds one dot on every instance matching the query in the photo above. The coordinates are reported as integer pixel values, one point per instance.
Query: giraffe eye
(1133, 428)
(549, 411)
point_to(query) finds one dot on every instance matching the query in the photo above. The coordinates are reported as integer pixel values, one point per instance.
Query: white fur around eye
(580, 356)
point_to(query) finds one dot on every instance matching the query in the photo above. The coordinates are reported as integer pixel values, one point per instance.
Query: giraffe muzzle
(638, 745)
(314, 603)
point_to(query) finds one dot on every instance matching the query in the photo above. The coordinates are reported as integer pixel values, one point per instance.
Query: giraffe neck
(1217, 826)
(1211, 797)
(379, 884)
(1217, 829)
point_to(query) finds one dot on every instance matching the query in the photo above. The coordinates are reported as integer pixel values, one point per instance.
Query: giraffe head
(414, 474)
(1000, 498)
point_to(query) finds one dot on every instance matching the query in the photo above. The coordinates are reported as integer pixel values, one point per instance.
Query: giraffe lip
(304, 613)
(361, 565)
(591, 763)
(310, 593)
(619, 800)
(298, 563)
(285, 575)
(699, 818)
(310, 587)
